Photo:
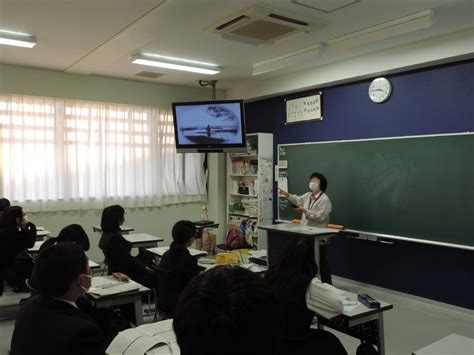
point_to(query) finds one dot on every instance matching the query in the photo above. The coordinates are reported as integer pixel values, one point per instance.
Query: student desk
(258, 269)
(279, 235)
(34, 251)
(201, 226)
(35, 248)
(453, 344)
(41, 233)
(123, 229)
(93, 265)
(361, 322)
(119, 299)
(159, 251)
(142, 240)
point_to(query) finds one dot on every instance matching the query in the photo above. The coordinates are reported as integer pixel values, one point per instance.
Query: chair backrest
(170, 286)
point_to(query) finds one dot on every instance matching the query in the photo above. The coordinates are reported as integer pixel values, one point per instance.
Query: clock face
(380, 90)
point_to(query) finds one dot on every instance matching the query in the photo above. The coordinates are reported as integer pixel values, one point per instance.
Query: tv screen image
(210, 125)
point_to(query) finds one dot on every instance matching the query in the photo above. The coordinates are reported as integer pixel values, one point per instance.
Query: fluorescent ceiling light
(385, 30)
(300, 56)
(175, 63)
(17, 39)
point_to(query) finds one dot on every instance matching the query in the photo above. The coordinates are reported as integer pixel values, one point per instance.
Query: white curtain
(66, 154)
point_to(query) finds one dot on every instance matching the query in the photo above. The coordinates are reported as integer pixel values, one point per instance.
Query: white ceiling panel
(99, 36)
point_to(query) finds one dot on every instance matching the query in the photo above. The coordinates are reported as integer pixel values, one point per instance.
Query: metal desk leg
(317, 256)
(381, 339)
(319, 324)
(138, 312)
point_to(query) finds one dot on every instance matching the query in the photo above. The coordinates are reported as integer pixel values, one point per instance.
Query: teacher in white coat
(315, 207)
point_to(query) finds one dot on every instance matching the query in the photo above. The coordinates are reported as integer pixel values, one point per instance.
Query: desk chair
(105, 269)
(170, 286)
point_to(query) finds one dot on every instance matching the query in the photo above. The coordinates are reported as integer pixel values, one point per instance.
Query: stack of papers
(105, 286)
(149, 339)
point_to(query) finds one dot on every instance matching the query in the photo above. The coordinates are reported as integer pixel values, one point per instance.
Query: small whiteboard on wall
(304, 109)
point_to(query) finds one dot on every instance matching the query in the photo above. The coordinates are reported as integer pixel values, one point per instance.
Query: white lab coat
(318, 214)
(324, 299)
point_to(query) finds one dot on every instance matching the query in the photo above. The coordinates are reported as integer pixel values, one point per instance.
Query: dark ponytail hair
(183, 232)
(112, 218)
(297, 260)
(10, 215)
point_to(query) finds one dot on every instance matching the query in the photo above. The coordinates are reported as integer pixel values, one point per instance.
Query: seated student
(51, 323)
(290, 277)
(117, 250)
(16, 234)
(181, 265)
(4, 203)
(228, 310)
(72, 233)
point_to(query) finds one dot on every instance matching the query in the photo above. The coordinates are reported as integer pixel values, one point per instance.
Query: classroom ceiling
(98, 37)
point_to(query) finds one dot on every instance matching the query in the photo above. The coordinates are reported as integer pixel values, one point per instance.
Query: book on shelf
(253, 167)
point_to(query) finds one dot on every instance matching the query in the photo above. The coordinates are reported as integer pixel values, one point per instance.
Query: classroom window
(68, 154)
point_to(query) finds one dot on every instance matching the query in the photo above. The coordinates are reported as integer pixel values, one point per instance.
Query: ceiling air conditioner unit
(260, 25)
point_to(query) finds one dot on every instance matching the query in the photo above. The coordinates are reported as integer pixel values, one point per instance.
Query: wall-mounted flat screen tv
(209, 126)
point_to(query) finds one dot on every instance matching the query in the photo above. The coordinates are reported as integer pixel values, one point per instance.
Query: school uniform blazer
(116, 250)
(48, 326)
(318, 211)
(14, 240)
(180, 262)
(298, 315)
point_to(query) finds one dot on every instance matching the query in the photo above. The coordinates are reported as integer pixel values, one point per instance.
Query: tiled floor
(411, 325)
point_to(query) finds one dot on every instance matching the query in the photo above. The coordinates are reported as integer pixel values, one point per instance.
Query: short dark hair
(224, 305)
(112, 217)
(74, 233)
(183, 232)
(4, 203)
(10, 214)
(296, 260)
(58, 266)
(324, 182)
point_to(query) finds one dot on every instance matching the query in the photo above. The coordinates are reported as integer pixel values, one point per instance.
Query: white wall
(438, 50)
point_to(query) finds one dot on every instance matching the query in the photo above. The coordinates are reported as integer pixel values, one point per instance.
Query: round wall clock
(380, 90)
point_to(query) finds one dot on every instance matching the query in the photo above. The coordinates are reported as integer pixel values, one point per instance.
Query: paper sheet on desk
(149, 339)
(133, 342)
(102, 286)
(258, 253)
(161, 250)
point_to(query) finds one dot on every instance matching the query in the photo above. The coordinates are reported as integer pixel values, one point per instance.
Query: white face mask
(314, 186)
(85, 289)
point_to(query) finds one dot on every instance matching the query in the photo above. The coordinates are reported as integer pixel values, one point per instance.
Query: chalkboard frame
(368, 234)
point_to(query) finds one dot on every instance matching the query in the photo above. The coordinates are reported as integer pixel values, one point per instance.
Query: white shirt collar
(63, 300)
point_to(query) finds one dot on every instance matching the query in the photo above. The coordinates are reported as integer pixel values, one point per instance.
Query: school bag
(235, 239)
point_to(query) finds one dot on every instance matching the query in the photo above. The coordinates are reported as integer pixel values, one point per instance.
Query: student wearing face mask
(16, 235)
(51, 323)
(315, 207)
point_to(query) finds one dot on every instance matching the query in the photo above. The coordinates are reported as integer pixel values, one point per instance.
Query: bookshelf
(250, 186)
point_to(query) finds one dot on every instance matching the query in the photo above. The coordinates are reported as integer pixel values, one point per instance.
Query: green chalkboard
(418, 187)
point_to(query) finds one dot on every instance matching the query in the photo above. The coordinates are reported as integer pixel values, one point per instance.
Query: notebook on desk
(155, 338)
(105, 286)
(203, 223)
